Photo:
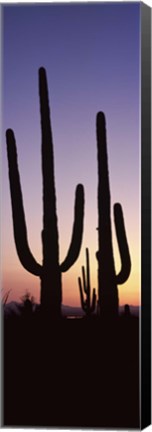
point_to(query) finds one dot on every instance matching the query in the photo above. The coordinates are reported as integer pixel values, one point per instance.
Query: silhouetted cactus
(50, 270)
(127, 312)
(84, 285)
(107, 278)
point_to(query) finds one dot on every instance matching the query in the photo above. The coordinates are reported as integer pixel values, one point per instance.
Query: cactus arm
(92, 308)
(88, 277)
(81, 294)
(76, 240)
(84, 280)
(123, 245)
(19, 223)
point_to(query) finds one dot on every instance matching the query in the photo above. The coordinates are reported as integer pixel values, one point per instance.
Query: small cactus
(84, 285)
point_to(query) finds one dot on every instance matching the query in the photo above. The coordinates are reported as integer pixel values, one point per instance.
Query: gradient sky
(91, 54)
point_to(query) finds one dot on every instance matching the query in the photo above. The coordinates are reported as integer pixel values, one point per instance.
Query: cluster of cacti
(85, 289)
(107, 278)
(50, 270)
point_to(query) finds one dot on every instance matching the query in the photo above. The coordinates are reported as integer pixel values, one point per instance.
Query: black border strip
(145, 215)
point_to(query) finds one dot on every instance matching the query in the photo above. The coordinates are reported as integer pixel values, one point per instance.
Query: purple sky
(91, 54)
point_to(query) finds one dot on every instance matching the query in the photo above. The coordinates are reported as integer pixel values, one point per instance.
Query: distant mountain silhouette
(16, 308)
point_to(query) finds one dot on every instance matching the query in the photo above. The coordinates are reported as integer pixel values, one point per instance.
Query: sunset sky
(91, 53)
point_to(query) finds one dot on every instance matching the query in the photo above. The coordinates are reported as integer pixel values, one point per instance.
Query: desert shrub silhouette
(84, 285)
(107, 278)
(50, 270)
(28, 304)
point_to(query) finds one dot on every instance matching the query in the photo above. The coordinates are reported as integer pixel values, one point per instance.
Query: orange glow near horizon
(19, 285)
(20, 281)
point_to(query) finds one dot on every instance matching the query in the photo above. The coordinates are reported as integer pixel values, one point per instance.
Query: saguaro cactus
(50, 270)
(84, 285)
(107, 278)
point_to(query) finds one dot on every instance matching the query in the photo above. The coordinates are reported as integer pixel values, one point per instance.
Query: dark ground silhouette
(74, 373)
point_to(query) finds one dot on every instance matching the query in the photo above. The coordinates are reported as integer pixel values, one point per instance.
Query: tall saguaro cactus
(50, 270)
(107, 278)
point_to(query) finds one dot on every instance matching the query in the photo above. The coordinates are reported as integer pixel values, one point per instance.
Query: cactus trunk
(107, 278)
(51, 275)
(107, 286)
